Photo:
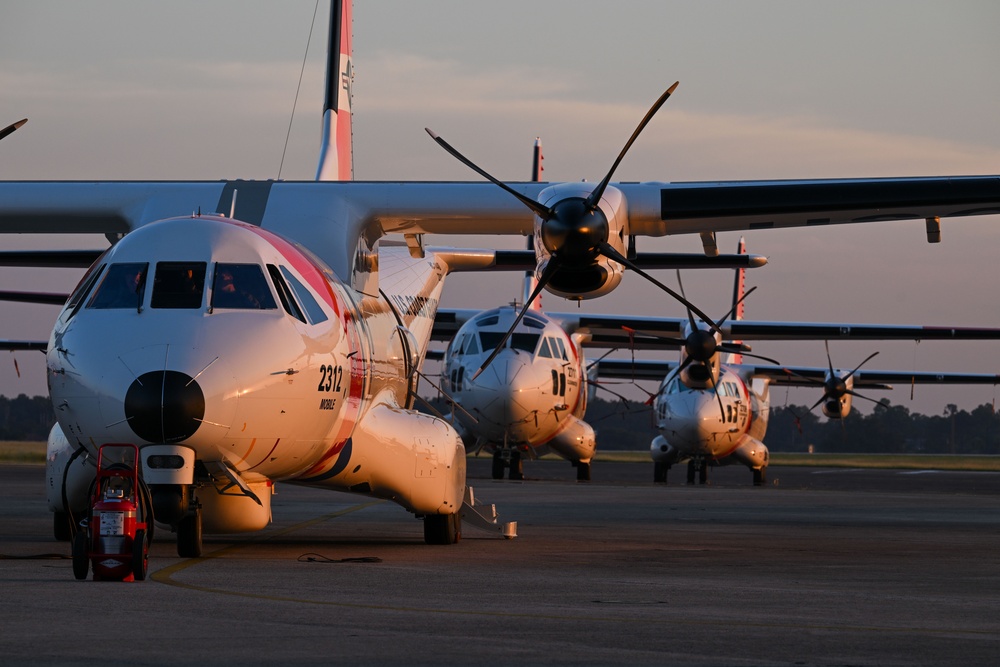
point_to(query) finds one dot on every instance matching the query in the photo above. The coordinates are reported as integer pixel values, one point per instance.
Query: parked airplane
(533, 396)
(303, 370)
(711, 413)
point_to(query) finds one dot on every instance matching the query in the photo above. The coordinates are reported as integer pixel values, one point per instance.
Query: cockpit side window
(83, 289)
(471, 345)
(178, 285)
(313, 310)
(241, 287)
(123, 286)
(544, 350)
(562, 349)
(285, 294)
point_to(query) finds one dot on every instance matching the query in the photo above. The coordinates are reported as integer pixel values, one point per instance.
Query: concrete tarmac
(827, 567)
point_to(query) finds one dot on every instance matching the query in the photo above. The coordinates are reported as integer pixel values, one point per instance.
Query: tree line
(891, 429)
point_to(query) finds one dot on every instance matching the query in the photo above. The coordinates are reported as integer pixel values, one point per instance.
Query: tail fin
(739, 289)
(336, 157)
(529, 276)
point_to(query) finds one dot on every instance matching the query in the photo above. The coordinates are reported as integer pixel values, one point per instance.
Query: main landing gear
(442, 528)
(699, 466)
(582, 470)
(503, 458)
(759, 476)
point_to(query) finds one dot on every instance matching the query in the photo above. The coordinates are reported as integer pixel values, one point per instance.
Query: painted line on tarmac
(165, 576)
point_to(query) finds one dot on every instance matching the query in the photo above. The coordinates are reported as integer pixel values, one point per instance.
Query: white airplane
(713, 413)
(303, 372)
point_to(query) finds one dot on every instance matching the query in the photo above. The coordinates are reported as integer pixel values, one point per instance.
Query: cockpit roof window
(313, 310)
(487, 320)
(533, 322)
(241, 287)
(178, 285)
(123, 286)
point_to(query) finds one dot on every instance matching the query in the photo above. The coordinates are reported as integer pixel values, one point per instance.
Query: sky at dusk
(768, 90)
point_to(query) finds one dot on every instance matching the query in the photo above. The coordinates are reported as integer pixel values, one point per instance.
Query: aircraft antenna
(297, 89)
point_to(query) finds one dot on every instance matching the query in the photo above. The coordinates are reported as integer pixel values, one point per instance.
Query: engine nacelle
(837, 408)
(577, 442)
(69, 474)
(583, 275)
(698, 375)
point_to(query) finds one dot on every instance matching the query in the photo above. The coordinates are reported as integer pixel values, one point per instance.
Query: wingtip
(431, 132)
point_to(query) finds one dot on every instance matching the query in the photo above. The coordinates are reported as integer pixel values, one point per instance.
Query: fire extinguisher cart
(114, 539)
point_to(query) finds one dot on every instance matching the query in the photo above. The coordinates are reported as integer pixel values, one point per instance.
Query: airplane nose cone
(164, 406)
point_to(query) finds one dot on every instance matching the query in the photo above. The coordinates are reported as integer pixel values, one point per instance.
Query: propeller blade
(829, 361)
(550, 270)
(542, 211)
(757, 356)
(680, 284)
(13, 126)
(715, 388)
(857, 395)
(820, 401)
(608, 251)
(860, 365)
(735, 306)
(598, 192)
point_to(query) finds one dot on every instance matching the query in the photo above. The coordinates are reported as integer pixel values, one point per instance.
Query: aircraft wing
(613, 330)
(802, 376)
(17, 345)
(654, 209)
(625, 369)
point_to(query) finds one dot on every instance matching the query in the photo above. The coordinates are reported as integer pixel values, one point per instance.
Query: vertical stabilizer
(529, 276)
(739, 289)
(336, 155)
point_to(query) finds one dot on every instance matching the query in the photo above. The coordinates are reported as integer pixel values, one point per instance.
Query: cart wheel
(81, 559)
(140, 555)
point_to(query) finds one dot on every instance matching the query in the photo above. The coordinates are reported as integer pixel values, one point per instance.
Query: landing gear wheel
(140, 555)
(759, 477)
(81, 559)
(690, 475)
(62, 527)
(660, 473)
(498, 465)
(442, 528)
(189, 535)
(703, 473)
(516, 471)
(582, 471)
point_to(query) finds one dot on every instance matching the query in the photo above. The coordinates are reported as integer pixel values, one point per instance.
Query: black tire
(81, 559)
(442, 528)
(497, 465)
(62, 526)
(582, 471)
(703, 473)
(660, 473)
(189, 535)
(516, 469)
(140, 555)
(690, 475)
(759, 477)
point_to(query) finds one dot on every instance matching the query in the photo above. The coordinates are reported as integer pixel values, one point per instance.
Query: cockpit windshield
(178, 285)
(241, 286)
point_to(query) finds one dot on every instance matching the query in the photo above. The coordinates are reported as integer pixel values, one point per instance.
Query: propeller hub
(701, 345)
(574, 231)
(836, 388)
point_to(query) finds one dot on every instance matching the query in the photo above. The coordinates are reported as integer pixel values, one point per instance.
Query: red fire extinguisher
(114, 538)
